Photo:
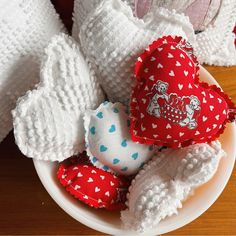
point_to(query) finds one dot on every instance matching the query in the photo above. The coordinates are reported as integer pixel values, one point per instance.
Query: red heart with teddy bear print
(169, 105)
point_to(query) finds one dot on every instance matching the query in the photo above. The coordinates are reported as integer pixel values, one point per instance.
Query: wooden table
(26, 207)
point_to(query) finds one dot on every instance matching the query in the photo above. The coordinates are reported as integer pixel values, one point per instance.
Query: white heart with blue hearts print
(109, 143)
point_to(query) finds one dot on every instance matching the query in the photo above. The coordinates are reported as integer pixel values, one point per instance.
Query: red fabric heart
(169, 106)
(94, 186)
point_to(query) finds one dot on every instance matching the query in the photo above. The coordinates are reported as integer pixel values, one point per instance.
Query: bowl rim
(53, 191)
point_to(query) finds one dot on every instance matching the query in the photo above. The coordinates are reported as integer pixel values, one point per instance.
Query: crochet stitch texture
(214, 46)
(48, 121)
(112, 38)
(26, 26)
(166, 181)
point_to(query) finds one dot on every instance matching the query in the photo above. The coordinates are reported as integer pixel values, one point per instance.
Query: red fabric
(93, 186)
(169, 105)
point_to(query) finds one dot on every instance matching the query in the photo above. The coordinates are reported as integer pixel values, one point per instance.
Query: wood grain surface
(27, 209)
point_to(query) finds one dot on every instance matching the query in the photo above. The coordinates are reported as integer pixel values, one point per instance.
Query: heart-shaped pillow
(169, 105)
(93, 186)
(81, 11)
(109, 143)
(26, 27)
(159, 189)
(112, 38)
(214, 24)
(48, 121)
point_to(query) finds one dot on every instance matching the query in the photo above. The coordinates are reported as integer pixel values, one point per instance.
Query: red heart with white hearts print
(169, 105)
(93, 186)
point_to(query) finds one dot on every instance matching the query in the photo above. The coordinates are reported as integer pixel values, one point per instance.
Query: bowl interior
(110, 223)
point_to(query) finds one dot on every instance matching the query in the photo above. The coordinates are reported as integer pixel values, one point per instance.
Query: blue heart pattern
(100, 115)
(93, 130)
(124, 168)
(135, 156)
(112, 129)
(124, 143)
(115, 110)
(103, 148)
(116, 161)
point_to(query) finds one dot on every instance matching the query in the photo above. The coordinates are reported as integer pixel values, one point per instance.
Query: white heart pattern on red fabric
(84, 183)
(175, 98)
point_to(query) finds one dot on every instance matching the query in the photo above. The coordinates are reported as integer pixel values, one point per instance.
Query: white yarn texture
(81, 10)
(48, 121)
(214, 46)
(112, 39)
(26, 26)
(166, 181)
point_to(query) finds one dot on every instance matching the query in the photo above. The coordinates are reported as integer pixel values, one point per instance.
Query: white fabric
(26, 26)
(109, 143)
(214, 46)
(112, 39)
(81, 10)
(166, 181)
(48, 121)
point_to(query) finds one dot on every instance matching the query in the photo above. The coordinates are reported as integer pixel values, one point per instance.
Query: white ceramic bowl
(110, 223)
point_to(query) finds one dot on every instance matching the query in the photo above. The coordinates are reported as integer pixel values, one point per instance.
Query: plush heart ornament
(169, 105)
(161, 187)
(94, 186)
(112, 38)
(48, 121)
(109, 143)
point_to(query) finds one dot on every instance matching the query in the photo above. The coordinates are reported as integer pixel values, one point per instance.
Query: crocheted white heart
(81, 11)
(166, 181)
(26, 27)
(215, 45)
(112, 38)
(48, 121)
(109, 143)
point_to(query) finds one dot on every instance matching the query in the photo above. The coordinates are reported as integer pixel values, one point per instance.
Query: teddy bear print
(191, 108)
(160, 89)
(181, 110)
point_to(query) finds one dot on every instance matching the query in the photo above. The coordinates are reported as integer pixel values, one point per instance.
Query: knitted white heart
(26, 27)
(109, 143)
(166, 181)
(82, 9)
(112, 38)
(48, 121)
(215, 45)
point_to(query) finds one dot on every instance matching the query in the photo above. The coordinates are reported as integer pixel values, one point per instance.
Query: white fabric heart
(215, 45)
(109, 143)
(166, 181)
(112, 38)
(26, 27)
(81, 11)
(48, 121)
